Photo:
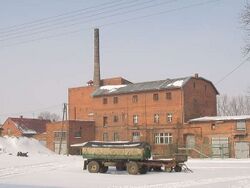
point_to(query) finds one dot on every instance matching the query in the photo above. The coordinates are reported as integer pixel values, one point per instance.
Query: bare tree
(49, 116)
(245, 19)
(231, 106)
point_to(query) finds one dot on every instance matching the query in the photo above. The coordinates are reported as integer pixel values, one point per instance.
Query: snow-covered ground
(51, 170)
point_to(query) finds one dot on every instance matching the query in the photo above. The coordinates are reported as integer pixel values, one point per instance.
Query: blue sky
(35, 75)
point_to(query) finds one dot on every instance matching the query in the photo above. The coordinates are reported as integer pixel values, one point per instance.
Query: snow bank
(12, 145)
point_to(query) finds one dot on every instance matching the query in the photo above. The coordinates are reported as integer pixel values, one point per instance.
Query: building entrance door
(241, 150)
(220, 147)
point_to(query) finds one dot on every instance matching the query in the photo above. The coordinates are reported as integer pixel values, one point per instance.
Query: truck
(135, 157)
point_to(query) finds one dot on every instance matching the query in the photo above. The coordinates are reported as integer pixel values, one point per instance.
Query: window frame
(169, 95)
(163, 138)
(156, 97)
(156, 118)
(105, 100)
(115, 100)
(169, 117)
(135, 119)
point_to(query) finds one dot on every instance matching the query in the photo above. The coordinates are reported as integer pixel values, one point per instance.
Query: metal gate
(220, 147)
(63, 149)
(190, 141)
(241, 150)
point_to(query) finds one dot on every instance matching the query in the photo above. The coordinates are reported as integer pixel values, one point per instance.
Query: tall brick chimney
(97, 76)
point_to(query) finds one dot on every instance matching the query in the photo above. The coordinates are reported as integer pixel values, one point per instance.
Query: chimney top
(196, 75)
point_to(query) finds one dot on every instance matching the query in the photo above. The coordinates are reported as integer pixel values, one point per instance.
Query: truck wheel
(132, 168)
(177, 168)
(143, 169)
(104, 169)
(93, 167)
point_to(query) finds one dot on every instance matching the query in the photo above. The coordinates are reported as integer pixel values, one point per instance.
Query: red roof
(30, 126)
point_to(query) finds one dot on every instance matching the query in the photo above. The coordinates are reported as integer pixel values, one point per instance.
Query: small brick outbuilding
(61, 135)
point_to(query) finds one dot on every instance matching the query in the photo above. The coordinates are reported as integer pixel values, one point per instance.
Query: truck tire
(133, 168)
(177, 168)
(104, 169)
(93, 167)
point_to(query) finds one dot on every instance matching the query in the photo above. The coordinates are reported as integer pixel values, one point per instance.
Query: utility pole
(64, 118)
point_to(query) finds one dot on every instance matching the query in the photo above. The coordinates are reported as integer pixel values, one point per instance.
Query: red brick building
(148, 111)
(152, 111)
(218, 136)
(61, 135)
(35, 128)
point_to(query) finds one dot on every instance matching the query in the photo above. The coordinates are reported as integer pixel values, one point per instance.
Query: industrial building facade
(153, 111)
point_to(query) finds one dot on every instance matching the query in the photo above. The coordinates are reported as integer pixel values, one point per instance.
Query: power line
(232, 71)
(63, 25)
(54, 22)
(42, 20)
(112, 23)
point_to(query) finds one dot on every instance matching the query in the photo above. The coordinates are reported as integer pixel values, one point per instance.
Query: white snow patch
(221, 118)
(112, 88)
(12, 145)
(177, 83)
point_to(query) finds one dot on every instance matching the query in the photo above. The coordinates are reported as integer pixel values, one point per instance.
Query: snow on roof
(177, 83)
(220, 118)
(24, 129)
(110, 142)
(112, 88)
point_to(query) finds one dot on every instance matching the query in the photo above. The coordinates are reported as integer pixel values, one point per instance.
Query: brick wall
(76, 131)
(10, 129)
(205, 131)
(199, 99)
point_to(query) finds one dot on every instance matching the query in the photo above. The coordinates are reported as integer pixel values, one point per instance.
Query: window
(116, 137)
(9, 131)
(135, 119)
(78, 134)
(241, 125)
(60, 135)
(213, 126)
(163, 138)
(155, 97)
(169, 117)
(135, 99)
(115, 119)
(105, 121)
(156, 118)
(105, 137)
(136, 137)
(105, 101)
(115, 100)
(168, 95)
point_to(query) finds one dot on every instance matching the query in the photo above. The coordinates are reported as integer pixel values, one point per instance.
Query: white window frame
(169, 117)
(135, 119)
(136, 136)
(156, 118)
(241, 125)
(163, 138)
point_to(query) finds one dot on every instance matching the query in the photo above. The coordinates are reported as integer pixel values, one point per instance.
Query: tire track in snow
(25, 169)
(191, 183)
